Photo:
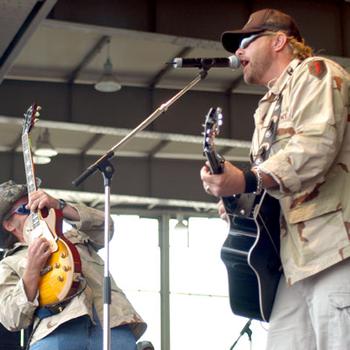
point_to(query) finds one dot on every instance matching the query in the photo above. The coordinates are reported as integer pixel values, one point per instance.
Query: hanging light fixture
(108, 82)
(41, 160)
(181, 229)
(44, 146)
(182, 224)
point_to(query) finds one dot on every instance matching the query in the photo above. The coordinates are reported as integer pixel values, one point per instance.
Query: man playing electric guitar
(75, 323)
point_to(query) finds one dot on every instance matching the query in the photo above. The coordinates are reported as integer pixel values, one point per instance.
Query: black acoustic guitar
(251, 249)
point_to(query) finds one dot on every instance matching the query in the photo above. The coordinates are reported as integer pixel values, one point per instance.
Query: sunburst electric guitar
(251, 249)
(60, 278)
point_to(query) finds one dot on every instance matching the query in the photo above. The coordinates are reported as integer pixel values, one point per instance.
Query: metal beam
(234, 84)
(135, 34)
(158, 148)
(16, 144)
(39, 12)
(164, 282)
(105, 130)
(118, 201)
(168, 67)
(93, 140)
(88, 58)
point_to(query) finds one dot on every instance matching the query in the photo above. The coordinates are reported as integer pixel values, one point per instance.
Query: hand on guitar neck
(229, 182)
(44, 217)
(40, 200)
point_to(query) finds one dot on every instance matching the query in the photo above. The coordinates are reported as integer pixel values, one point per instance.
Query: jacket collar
(276, 86)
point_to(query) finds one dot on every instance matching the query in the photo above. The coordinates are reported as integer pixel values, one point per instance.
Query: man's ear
(7, 225)
(279, 41)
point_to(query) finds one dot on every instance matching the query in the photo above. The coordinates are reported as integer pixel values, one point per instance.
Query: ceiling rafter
(39, 11)
(91, 142)
(88, 58)
(168, 67)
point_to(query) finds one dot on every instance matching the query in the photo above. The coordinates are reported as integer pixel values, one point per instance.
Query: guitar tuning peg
(36, 120)
(38, 108)
(37, 114)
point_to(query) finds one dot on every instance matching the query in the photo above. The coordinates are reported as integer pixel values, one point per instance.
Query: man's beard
(257, 70)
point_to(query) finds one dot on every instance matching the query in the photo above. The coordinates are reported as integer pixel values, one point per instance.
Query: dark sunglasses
(21, 210)
(248, 40)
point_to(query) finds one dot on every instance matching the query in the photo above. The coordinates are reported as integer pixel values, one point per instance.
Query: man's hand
(230, 182)
(40, 200)
(222, 211)
(38, 253)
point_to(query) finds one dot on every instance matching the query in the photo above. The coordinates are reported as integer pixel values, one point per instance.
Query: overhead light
(181, 229)
(108, 82)
(44, 146)
(181, 224)
(41, 160)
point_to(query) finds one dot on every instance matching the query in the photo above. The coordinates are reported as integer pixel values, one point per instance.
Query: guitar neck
(216, 167)
(30, 172)
(215, 162)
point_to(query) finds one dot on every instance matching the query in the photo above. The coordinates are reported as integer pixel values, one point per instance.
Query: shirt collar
(14, 248)
(275, 86)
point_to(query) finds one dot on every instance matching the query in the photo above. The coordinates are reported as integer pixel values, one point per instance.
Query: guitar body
(60, 278)
(250, 254)
(251, 249)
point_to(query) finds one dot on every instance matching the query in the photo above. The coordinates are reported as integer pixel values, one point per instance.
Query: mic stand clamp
(245, 330)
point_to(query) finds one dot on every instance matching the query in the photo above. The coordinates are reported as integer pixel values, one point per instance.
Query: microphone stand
(104, 165)
(246, 329)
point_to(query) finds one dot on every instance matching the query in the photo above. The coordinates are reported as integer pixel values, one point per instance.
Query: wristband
(62, 204)
(251, 181)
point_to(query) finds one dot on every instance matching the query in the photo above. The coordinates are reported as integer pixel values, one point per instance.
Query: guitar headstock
(31, 116)
(213, 121)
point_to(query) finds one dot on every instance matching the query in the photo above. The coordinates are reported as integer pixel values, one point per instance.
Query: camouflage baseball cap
(10, 192)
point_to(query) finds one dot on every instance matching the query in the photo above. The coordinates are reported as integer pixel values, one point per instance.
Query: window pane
(134, 264)
(207, 323)
(200, 313)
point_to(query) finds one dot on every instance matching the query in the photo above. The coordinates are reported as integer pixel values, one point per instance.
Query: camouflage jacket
(17, 312)
(310, 160)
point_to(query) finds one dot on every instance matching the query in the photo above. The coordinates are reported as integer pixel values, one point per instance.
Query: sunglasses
(248, 40)
(21, 210)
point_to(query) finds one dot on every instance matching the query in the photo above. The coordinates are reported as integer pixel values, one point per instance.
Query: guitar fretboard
(30, 175)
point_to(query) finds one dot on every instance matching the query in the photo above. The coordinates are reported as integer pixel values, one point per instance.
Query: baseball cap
(261, 21)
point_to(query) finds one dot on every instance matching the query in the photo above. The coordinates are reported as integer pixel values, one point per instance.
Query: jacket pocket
(340, 301)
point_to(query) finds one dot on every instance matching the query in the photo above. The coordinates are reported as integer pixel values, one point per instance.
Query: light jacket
(16, 312)
(310, 161)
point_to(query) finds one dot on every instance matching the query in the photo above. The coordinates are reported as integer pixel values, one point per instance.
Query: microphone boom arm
(153, 116)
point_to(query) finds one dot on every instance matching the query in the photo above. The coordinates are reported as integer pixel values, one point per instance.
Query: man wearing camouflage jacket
(307, 170)
(77, 325)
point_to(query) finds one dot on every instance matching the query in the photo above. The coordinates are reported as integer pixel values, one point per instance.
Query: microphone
(207, 63)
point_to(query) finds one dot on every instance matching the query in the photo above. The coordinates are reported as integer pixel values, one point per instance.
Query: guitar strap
(271, 130)
(270, 134)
